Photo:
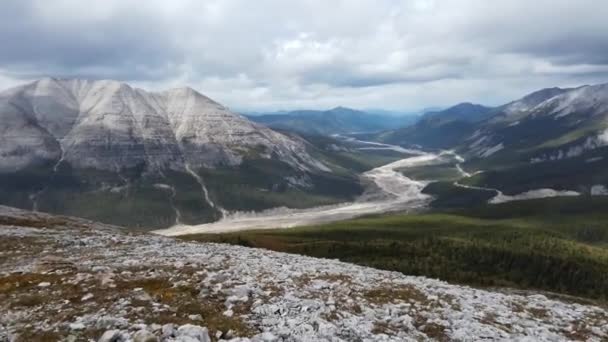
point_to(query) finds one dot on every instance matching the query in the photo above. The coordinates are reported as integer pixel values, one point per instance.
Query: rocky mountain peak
(531, 100)
(588, 99)
(92, 124)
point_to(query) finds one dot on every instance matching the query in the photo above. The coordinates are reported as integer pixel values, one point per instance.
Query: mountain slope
(111, 152)
(165, 130)
(555, 138)
(510, 112)
(439, 129)
(69, 279)
(550, 139)
(546, 122)
(338, 120)
(465, 111)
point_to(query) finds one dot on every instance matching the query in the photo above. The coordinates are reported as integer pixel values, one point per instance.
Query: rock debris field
(65, 279)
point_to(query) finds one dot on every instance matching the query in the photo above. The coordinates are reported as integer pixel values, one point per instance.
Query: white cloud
(275, 54)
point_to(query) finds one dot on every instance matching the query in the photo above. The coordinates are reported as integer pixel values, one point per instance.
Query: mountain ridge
(115, 113)
(119, 154)
(439, 129)
(565, 115)
(466, 111)
(337, 120)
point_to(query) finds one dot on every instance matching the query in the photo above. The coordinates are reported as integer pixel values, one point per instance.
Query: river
(388, 191)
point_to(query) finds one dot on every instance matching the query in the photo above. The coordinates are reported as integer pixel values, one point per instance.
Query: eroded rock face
(573, 121)
(149, 287)
(109, 125)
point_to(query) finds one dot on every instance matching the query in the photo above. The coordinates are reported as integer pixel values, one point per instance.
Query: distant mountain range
(437, 129)
(339, 120)
(466, 111)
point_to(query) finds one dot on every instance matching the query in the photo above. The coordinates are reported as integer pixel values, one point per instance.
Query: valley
(485, 214)
(227, 172)
(97, 148)
(303, 171)
(467, 208)
(388, 191)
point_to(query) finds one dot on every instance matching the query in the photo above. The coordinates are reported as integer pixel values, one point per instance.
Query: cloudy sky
(275, 54)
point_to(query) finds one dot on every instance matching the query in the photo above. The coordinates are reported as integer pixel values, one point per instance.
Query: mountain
(338, 120)
(513, 110)
(555, 138)
(108, 151)
(108, 125)
(466, 111)
(548, 124)
(439, 129)
(77, 280)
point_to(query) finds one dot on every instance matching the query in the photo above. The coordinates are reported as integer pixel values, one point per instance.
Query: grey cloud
(126, 46)
(275, 53)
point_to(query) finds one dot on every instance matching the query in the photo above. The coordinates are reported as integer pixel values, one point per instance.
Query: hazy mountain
(438, 129)
(464, 111)
(336, 120)
(101, 148)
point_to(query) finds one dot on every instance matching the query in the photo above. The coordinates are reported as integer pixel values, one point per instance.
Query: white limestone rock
(111, 336)
(110, 125)
(194, 331)
(144, 336)
(290, 297)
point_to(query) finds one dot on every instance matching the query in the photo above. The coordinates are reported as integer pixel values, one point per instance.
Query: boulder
(111, 336)
(198, 333)
(144, 336)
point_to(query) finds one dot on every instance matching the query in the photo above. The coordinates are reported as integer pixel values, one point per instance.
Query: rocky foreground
(74, 280)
